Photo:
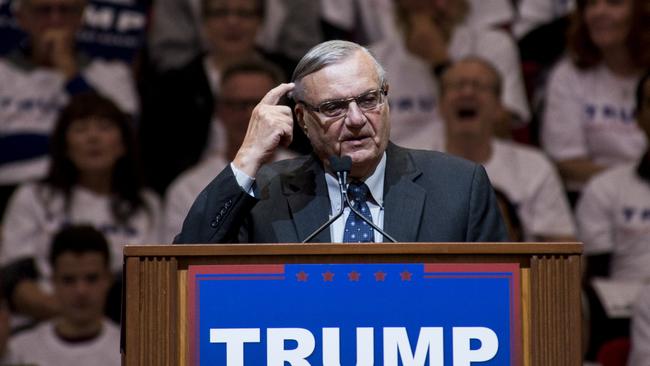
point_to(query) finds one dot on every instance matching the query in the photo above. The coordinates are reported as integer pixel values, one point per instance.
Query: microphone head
(340, 164)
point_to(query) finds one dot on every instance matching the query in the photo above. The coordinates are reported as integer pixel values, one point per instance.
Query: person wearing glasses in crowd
(341, 94)
(470, 91)
(36, 80)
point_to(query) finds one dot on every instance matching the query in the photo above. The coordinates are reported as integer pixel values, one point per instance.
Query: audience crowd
(109, 130)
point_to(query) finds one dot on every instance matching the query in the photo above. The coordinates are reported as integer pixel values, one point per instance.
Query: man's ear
(299, 111)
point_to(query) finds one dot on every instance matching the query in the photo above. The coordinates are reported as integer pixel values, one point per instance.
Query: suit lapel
(309, 205)
(403, 198)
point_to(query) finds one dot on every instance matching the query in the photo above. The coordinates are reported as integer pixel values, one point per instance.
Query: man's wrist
(247, 162)
(244, 180)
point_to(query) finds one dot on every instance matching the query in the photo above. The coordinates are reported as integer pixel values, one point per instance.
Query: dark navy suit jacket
(428, 197)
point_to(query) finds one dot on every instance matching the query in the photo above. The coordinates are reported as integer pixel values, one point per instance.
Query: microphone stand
(341, 167)
(364, 218)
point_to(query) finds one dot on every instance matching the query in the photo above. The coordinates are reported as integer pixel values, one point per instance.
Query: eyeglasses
(337, 108)
(458, 85)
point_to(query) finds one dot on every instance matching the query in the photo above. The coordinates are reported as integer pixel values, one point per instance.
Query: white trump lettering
(429, 346)
(234, 340)
(430, 340)
(464, 355)
(277, 355)
(332, 351)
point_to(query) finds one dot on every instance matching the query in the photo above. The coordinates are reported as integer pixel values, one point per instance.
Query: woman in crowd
(93, 179)
(588, 122)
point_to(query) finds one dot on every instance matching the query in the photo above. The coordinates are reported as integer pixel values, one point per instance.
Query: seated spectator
(93, 179)
(613, 212)
(79, 335)
(243, 85)
(37, 79)
(588, 122)
(179, 106)
(612, 216)
(470, 105)
(640, 334)
(431, 35)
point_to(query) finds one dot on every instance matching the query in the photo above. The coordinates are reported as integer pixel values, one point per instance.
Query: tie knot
(358, 191)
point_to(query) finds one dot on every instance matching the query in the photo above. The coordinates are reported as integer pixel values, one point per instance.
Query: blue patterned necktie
(357, 230)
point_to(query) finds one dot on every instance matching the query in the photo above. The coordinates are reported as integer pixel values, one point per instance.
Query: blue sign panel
(355, 314)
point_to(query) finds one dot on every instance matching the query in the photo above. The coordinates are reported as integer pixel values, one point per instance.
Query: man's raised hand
(270, 126)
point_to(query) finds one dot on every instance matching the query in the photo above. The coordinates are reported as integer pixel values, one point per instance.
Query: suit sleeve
(218, 213)
(485, 222)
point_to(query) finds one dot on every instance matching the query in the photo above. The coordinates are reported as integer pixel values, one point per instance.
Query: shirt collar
(375, 183)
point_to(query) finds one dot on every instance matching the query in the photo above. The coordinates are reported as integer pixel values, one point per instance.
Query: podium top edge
(276, 249)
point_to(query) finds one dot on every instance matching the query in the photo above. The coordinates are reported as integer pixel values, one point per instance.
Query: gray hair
(326, 54)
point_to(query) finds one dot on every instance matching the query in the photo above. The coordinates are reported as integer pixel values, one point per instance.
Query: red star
(380, 276)
(328, 276)
(354, 276)
(406, 275)
(302, 276)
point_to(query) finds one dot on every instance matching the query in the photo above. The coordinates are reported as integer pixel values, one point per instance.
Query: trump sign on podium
(355, 314)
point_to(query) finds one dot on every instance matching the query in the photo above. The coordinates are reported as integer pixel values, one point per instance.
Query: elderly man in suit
(341, 99)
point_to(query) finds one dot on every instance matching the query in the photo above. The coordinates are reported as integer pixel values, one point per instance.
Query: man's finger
(274, 95)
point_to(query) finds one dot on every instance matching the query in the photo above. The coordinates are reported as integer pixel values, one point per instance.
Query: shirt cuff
(244, 181)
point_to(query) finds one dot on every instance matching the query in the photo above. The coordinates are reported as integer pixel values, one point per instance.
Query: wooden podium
(156, 277)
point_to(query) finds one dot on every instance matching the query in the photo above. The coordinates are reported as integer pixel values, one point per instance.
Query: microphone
(341, 166)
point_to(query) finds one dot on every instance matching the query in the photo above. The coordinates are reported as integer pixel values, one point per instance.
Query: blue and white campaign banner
(355, 314)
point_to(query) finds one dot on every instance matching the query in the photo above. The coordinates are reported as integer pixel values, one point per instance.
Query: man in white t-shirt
(469, 105)
(243, 85)
(80, 335)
